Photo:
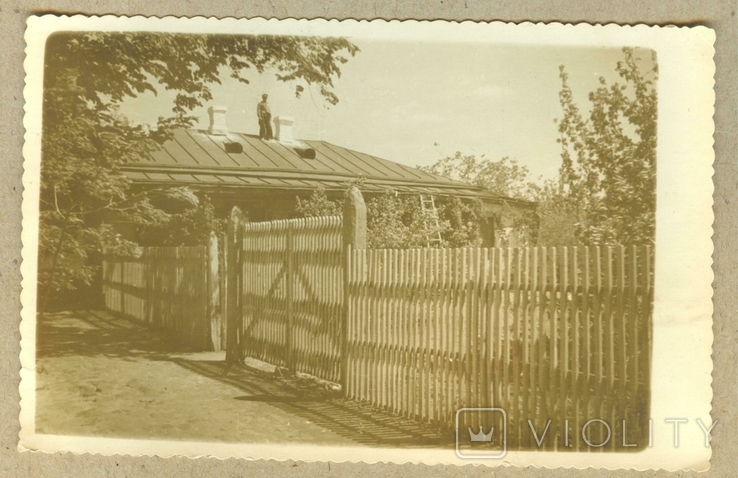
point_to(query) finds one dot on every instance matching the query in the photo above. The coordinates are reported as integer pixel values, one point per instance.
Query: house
(263, 178)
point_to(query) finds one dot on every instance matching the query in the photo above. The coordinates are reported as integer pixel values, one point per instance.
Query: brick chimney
(283, 128)
(218, 120)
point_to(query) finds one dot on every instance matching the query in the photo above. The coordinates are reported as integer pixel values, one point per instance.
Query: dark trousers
(265, 128)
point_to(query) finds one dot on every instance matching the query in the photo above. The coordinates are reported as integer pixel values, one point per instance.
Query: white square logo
(481, 433)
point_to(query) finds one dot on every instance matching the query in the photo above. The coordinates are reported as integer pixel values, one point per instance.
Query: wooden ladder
(428, 204)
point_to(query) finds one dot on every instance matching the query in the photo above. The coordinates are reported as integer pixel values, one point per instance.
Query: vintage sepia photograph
(284, 234)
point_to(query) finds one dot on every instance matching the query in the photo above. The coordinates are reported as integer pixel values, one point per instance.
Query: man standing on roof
(265, 118)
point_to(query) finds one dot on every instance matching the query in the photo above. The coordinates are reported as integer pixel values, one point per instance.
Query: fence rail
(544, 333)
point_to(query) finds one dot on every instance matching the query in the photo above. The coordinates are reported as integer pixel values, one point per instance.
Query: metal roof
(194, 157)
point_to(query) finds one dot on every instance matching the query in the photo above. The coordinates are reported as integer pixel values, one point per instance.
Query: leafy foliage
(399, 222)
(190, 227)
(609, 158)
(505, 177)
(463, 222)
(556, 215)
(318, 204)
(86, 140)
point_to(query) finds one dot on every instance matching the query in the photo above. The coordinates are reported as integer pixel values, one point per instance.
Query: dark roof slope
(194, 157)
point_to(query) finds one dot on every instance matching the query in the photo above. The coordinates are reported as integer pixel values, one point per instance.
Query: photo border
(29, 260)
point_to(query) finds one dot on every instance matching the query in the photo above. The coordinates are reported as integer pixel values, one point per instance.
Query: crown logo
(481, 436)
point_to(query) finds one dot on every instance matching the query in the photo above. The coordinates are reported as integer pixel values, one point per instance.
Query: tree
(393, 221)
(318, 204)
(399, 222)
(557, 215)
(85, 140)
(609, 158)
(505, 177)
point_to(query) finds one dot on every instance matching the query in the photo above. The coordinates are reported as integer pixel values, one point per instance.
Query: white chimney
(283, 126)
(218, 120)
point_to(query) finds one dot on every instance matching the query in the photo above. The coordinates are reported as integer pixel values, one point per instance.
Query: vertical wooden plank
(355, 344)
(386, 379)
(534, 339)
(380, 382)
(407, 277)
(302, 352)
(424, 322)
(390, 332)
(397, 329)
(552, 398)
(414, 331)
(289, 279)
(427, 324)
(484, 332)
(506, 335)
(646, 326)
(524, 347)
(446, 399)
(362, 258)
(609, 338)
(461, 343)
(437, 333)
(419, 331)
(632, 343)
(430, 335)
(468, 314)
(374, 359)
(574, 394)
(598, 330)
(454, 329)
(622, 332)
(346, 352)
(472, 350)
(361, 326)
(512, 344)
(541, 372)
(495, 330)
(368, 314)
(562, 338)
(587, 324)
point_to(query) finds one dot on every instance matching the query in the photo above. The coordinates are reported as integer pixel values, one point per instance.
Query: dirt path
(99, 375)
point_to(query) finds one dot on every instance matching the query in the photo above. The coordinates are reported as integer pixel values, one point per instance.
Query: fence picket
(545, 333)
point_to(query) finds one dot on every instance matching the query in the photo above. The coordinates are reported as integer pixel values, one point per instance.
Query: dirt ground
(100, 375)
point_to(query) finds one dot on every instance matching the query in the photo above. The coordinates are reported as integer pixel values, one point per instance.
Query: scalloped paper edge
(683, 300)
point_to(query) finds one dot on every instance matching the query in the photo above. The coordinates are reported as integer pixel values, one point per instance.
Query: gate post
(234, 244)
(213, 281)
(354, 235)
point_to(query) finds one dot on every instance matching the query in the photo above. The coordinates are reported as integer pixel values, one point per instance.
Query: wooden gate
(289, 295)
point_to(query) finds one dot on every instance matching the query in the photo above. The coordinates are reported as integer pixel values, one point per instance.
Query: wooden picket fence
(559, 334)
(166, 288)
(291, 294)
(543, 333)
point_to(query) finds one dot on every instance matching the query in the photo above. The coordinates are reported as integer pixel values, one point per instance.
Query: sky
(417, 102)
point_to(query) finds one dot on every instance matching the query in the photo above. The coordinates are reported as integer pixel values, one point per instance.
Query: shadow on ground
(91, 333)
